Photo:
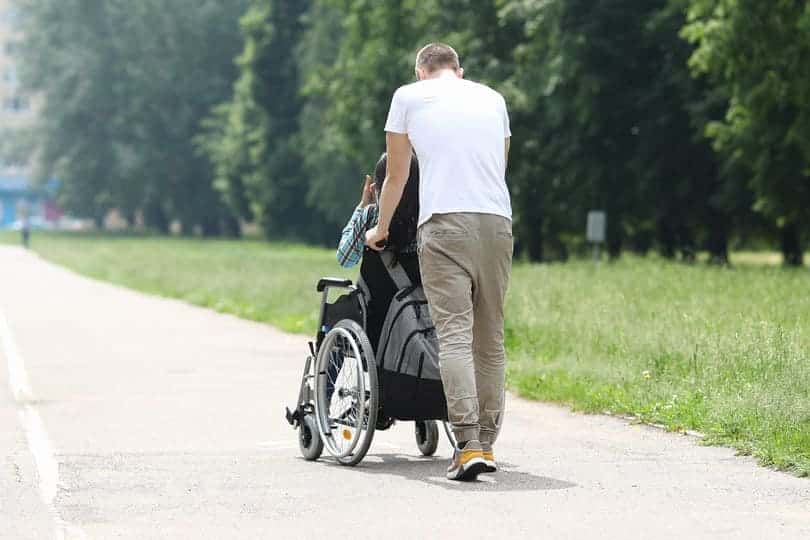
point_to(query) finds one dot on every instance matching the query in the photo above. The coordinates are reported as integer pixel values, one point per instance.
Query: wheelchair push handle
(327, 282)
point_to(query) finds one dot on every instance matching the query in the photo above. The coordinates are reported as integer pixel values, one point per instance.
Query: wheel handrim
(341, 387)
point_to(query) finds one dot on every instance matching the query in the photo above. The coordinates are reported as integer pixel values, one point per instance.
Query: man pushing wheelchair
(377, 351)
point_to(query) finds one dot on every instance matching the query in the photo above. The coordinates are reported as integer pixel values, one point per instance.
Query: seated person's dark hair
(401, 242)
(402, 230)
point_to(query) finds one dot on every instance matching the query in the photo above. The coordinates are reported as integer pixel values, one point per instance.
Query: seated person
(401, 243)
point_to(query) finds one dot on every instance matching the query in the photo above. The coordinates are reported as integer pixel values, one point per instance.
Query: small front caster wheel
(427, 436)
(309, 440)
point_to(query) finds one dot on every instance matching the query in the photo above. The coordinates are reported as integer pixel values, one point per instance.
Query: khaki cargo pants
(465, 260)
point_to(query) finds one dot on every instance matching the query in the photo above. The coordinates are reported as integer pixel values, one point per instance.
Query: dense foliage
(756, 56)
(686, 120)
(125, 86)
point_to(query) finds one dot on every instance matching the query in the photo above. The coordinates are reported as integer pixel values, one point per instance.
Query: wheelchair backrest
(346, 306)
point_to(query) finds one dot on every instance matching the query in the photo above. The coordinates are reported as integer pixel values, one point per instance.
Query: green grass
(249, 278)
(722, 351)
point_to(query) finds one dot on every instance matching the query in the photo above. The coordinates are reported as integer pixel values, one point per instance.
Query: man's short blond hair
(436, 56)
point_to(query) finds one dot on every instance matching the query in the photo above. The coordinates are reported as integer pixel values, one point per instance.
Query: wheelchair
(339, 403)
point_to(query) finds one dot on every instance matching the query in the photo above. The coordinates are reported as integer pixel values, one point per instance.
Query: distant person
(460, 132)
(24, 212)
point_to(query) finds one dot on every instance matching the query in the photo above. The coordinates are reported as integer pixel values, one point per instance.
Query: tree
(71, 68)
(125, 87)
(333, 177)
(374, 57)
(755, 54)
(608, 117)
(253, 139)
(180, 64)
(355, 54)
(683, 193)
(580, 69)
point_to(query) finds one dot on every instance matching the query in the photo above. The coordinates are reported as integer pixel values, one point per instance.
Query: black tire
(427, 436)
(309, 440)
(373, 389)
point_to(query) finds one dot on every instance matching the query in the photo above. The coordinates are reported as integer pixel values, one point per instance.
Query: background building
(16, 108)
(18, 111)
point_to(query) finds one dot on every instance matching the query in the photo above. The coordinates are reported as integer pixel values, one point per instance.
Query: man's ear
(420, 74)
(460, 72)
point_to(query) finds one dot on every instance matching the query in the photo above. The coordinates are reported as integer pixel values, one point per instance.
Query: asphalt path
(124, 415)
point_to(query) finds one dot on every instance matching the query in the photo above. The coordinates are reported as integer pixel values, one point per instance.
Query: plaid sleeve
(353, 237)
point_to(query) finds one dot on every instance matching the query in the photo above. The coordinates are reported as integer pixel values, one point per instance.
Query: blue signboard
(16, 191)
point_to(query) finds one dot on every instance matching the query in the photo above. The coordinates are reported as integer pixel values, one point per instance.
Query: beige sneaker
(489, 458)
(467, 463)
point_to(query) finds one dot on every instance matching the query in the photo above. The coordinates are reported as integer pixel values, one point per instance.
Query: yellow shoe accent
(469, 455)
(489, 460)
(468, 463)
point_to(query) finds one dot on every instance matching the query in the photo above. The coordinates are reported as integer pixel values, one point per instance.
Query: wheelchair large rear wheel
(346, 392)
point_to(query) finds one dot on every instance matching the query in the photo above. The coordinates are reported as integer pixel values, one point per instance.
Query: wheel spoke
(343, 394)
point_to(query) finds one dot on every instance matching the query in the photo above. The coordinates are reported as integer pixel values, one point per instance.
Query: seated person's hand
(375, 238)
(367, 197)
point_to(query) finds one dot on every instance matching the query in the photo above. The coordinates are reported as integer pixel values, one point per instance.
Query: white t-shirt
(458, 130)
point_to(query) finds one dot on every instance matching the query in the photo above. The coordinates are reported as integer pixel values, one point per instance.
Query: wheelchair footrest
(293, 417)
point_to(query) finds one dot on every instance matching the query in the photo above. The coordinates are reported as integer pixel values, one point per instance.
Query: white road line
(17, 377)
(38, 442)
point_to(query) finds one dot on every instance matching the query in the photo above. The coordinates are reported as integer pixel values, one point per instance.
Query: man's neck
(444, 74)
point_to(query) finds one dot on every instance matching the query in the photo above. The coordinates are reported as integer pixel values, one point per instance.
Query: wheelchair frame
(312, 416)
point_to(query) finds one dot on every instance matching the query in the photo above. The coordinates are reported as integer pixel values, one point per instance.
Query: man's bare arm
(398, 147)
(506, 151)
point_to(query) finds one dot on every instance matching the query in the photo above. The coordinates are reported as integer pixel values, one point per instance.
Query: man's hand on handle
(375, 238)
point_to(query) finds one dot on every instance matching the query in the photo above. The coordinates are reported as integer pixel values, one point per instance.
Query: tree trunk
(687, 244)
(792, 252)
(642, 242)
(717, 242)
(154, 217)
(615, 235)
(186, 227)
(232, 229)
(533, 243)
(666, 238)
(211, 227)
(560, 249)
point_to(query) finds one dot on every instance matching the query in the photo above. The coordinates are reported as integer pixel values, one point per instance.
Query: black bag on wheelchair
(408, 354)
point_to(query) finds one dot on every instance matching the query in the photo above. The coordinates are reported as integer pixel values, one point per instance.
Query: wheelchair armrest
(323, 283)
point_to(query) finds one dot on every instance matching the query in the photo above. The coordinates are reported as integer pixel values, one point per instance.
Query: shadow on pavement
(431, 470)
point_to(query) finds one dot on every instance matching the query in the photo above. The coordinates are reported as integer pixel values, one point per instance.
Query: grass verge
(722, 351)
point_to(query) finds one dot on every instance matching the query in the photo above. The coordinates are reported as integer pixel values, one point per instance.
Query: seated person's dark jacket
(382, 288)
